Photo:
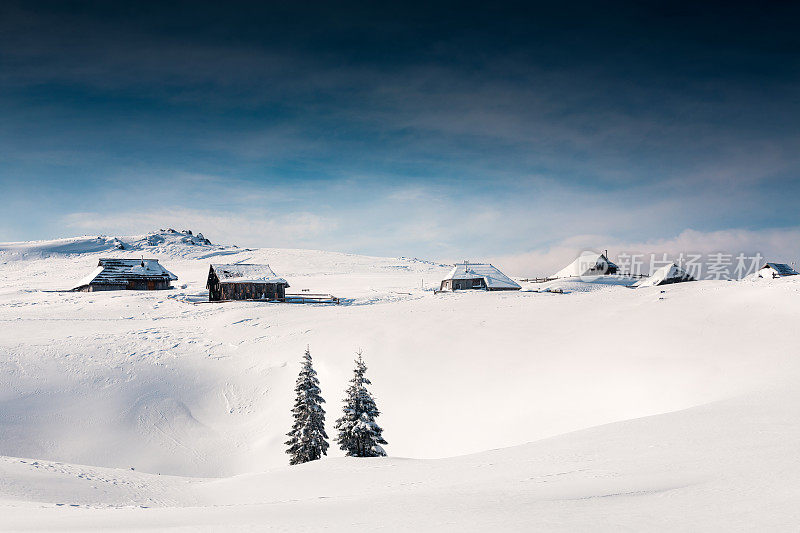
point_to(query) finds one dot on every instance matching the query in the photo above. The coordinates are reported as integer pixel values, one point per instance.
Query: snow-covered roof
(781, 269)
(493, 278)
(246, 273)
(112, 271)
(587, 264)
(671, 273)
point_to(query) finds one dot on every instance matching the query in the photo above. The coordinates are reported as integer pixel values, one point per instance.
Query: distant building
(131, 274)
(775, 270)
(588, 264)
(479, 277)
(665, 275)
(244, 282)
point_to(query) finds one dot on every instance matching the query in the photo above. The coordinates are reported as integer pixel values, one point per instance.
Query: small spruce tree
(359, 434)
(307, 439)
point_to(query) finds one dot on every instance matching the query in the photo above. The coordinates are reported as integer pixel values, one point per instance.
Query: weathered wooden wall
(134, 285)
(463, 284)
(143, 285)
(246, 291)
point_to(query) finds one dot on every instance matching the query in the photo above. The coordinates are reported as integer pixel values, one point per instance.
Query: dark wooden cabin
(130, 274)
(244, 282)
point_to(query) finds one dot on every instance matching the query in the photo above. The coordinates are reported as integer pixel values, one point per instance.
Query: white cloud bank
(425, 235)
(781, 245)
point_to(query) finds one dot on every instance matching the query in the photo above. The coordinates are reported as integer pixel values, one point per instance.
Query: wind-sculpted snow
(170, 386)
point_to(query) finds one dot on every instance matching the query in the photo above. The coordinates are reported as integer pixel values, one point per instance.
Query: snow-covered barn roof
(781, 269)
(587, 264)
(246, 273)
(671, 273)
(112, 271)
(493, 278)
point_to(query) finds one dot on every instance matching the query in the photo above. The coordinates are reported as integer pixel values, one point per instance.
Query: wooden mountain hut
(131, 274)
(775, 270)
(588, 264)
(477, 276)
(244, 282)
(666, 275)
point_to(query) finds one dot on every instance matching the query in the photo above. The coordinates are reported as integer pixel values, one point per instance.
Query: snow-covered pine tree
(307, 439)
(359, 435)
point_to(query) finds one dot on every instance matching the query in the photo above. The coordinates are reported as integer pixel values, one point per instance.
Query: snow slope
(726, 466)
(185, 392)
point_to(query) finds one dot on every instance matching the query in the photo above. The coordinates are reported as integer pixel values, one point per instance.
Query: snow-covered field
(661, 408)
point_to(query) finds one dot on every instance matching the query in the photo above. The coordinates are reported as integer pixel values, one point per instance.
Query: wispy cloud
(779, 244)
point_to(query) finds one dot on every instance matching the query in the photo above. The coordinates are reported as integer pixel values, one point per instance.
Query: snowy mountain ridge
(164, 241)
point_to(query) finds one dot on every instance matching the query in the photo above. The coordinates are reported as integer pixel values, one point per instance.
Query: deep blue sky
(455, 130)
